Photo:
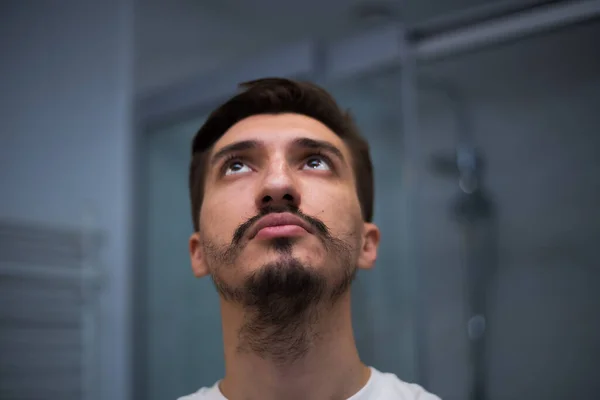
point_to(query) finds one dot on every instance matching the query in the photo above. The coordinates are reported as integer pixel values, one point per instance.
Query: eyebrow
(314, 144)
(234, 148)
(304, 143)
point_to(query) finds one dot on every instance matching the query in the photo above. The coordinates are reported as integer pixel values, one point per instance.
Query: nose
(278, 188)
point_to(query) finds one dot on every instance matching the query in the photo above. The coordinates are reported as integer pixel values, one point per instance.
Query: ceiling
(177, 39)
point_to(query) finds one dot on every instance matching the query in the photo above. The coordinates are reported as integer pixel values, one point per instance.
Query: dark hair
(276, 96)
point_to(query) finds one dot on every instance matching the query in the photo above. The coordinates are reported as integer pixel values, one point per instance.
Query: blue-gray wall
(66, 143)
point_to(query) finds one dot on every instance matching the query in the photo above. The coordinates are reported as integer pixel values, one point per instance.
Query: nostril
(284, 199)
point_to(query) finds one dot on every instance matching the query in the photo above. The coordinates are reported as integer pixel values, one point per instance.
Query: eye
(236, 167)
(318, 162)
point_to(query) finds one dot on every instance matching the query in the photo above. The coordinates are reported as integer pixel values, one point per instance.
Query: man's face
(280, 197)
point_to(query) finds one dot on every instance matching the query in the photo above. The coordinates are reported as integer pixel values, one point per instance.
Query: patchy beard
(282, 299)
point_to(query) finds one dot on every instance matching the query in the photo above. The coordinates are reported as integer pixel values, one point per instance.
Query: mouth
(280, 225)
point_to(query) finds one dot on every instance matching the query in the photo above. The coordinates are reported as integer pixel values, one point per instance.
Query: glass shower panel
(509, 225)
(183, 332)
(383, 298)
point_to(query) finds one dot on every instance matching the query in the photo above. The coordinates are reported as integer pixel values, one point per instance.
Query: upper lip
(279, 219)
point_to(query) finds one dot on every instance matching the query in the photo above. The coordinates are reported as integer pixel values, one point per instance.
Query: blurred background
(483, 118)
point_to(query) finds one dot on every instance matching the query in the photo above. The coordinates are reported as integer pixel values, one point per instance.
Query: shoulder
(206, 393)
(391, 387)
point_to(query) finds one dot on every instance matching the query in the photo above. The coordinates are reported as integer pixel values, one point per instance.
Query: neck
(328, 368)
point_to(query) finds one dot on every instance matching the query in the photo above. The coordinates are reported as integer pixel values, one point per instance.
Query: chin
(283, 251)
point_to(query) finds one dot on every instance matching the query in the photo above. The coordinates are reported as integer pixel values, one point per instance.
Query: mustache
(318, 225)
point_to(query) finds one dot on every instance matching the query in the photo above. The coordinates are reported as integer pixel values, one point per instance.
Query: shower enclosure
(482, 131)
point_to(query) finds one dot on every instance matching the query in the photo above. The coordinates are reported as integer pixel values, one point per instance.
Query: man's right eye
(236, 167)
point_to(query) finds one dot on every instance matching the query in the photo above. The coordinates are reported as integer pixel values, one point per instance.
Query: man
(281, 188)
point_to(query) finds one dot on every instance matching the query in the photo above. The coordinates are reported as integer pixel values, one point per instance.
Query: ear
(368, 252)
(197, 257)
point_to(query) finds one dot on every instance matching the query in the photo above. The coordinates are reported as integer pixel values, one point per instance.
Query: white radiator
(49, 285)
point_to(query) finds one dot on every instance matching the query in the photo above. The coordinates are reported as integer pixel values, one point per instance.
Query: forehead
(278, 130)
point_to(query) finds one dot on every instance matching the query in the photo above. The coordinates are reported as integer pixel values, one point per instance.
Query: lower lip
(271, 232)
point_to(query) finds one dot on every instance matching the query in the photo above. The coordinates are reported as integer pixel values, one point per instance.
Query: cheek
(219, 219)
(338, 208)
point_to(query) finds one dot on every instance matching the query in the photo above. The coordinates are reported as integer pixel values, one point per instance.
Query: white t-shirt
(381, 386)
